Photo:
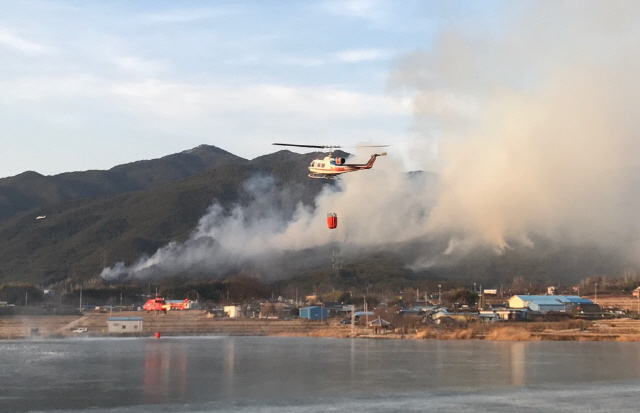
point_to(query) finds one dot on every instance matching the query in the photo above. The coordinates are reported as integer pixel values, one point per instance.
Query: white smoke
(377, 202)
(534, 129)
(537, 127)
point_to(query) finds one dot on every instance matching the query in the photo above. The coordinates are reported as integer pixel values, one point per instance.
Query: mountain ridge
(97, 218)
(30, 189)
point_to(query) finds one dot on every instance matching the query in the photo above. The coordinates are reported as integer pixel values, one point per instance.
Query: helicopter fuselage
(330, 167)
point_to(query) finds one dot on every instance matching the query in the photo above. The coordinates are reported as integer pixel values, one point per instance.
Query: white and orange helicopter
(331, 167)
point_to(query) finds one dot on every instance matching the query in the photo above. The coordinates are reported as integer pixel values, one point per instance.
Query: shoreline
(194, 323)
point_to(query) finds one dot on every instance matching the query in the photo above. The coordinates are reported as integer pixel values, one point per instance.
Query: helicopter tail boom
(369, 164)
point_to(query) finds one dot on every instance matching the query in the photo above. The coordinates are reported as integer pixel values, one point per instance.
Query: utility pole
(366, 313)
(353, 317)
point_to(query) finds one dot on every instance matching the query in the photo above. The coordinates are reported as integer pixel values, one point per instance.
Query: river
(292, 374)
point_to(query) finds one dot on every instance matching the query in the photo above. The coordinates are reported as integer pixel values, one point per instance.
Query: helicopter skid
(323, 176)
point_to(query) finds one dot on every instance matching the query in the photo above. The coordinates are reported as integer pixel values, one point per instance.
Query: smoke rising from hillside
(537, 128)
(534, 129)
(252, 234)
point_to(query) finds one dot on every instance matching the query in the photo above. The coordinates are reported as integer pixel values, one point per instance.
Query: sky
(528, 110)
(91, 85)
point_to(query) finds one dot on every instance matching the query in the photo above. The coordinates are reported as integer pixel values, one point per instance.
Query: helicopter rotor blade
(307, 146)
(329, 146)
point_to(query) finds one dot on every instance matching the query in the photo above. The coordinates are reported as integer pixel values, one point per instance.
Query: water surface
(275, 374)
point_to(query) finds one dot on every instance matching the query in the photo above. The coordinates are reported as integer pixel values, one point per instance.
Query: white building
(233, 311)
(123, 325)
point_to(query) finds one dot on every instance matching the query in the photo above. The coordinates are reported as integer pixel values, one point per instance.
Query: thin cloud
(51, 89)
(14, 42)
(303, 61)
(362, 9)
(176, 99)
(189, 15)
(137, 65)
(363, 55)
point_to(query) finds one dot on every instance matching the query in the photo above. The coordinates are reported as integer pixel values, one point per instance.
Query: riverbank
(197, 323)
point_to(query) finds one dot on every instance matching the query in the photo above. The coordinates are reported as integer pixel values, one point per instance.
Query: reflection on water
(235, 373)
(517, 363)
(165, 371)
(229, 359)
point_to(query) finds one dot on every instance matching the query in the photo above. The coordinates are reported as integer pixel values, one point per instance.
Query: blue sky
(90, 85)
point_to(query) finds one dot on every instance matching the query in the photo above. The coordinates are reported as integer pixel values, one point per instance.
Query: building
(233, 311)
(275, 310)
(335, 309)
(546, 303)
(314, 313)
(380, 326)
(122, 325)
(503, 314)
(359, 314)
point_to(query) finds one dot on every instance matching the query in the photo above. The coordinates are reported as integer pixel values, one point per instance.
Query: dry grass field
(172, 323)
(623, 302)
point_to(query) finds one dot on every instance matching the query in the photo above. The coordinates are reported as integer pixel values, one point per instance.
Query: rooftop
(554, 299)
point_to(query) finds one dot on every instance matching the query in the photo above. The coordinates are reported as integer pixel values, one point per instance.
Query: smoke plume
(532, 127)
(536, 127)
(266, 226)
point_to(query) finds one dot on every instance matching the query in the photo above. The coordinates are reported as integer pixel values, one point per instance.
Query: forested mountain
(96, 218)
(30, 190)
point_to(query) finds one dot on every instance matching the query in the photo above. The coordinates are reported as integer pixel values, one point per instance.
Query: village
(528, 317)
(409, 320)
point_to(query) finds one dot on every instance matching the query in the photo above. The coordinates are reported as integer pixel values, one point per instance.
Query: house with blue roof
(314, 312)
(546, 303)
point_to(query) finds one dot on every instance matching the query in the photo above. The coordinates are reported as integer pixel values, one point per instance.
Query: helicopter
(330, 167)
